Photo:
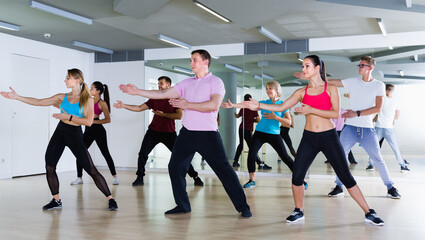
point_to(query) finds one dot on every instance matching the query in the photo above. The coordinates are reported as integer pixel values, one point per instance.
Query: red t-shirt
(161, 124)
(247, 117)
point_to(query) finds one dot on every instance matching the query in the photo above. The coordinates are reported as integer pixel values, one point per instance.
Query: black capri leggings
(275, 141)
(70, 136)
(97, 133)
(328, 143)
(247, 135)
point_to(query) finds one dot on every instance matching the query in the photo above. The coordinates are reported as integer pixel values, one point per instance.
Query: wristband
(70, 118)
(358, 113)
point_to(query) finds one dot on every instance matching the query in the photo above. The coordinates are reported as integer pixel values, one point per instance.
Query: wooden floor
(140, 214)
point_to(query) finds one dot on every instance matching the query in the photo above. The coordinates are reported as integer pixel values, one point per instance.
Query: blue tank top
(73, 109)
(270, 126)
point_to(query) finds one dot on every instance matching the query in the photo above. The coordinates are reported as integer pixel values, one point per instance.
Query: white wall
(60, 60)
(126, 130)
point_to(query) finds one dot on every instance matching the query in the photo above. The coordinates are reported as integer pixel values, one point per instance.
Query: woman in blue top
(76, 110)
(267, 130)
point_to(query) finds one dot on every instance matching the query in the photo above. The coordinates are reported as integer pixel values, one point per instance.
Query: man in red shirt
(161, 130)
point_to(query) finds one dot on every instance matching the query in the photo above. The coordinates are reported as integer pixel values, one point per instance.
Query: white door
(30, 124)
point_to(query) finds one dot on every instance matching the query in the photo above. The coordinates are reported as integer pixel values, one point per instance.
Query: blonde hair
(85, 93)
(276, 86)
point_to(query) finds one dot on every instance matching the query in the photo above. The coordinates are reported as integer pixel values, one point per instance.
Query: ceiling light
(231, 67)
(268, 76)
(269, 34)
(415, 57)
(382, 26)
(9, 26)
(174, 41)
(258, 77)
(60, 12)
(211, 11)
(183, 70)
(390, 47)
(92, 47)
(401, 73)
(408, 3)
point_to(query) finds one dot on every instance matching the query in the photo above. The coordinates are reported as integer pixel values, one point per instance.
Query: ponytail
(322, 70)
(106, 96)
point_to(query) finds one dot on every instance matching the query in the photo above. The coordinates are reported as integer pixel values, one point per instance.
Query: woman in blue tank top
(76, 110)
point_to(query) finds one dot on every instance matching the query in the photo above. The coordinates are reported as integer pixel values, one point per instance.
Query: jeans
(389, 135)
(351, 135)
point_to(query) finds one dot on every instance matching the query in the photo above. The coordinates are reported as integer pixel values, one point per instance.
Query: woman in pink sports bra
(96, 132)
(320, 103)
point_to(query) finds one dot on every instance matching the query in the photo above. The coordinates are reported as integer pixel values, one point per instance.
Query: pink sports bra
(321, 101)
(97, 110)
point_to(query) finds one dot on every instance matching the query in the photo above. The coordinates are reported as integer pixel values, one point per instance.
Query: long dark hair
(103, 88)
(317, 61)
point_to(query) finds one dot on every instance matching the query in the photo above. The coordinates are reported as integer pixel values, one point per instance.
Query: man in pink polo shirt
(200, 98)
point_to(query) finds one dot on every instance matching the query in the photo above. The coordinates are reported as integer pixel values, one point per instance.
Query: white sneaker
(203, 162)
(115, 181)
(77, 181)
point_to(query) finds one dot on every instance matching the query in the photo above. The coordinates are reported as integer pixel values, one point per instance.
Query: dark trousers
(97, 133)
(275, 141)
(351, 158)
(210, 146)
(247, 135)
(284, 133)
(327, 142)
(70, 136)
(151, 139)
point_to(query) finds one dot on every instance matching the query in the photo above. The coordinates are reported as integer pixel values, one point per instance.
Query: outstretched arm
(365, 112)
(51, 101)
(288, 103)
(333, 113)
(175, 115)
(229, 104)
(133, 108)
(151, 94)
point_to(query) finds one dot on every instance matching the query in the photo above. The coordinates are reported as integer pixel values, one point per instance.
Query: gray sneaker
(405, 169)
(115, 181)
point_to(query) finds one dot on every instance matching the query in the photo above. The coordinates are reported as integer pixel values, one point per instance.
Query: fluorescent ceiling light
(401, 73)
(258, 77)
(390, 47)
(231, 67)
(92, 47)
(415, 57)
(174, 41)
(269, 34)
(183, 70)
(60, 12)
(9, 26)
(211, 11)
(408, 3)
(268, 76)
(382, 26)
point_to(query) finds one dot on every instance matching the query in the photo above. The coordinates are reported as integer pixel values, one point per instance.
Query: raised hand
(178, 102)
(227, 104)
(251, 104)
(300, 75)
(129, 89)
(118, 104)
(9, 95)
(61, 116)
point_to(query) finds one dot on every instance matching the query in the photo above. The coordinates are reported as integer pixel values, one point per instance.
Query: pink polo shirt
(339, 122)
(200, 90)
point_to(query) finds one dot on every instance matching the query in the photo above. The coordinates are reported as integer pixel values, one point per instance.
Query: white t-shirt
(362, 96)
(386, 116)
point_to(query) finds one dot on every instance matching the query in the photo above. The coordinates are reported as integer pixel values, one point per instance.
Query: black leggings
(70, 136)
(284, 133)
(97, 133)
(247, 135)
(327, 142)
(151, 139)
(277, 144)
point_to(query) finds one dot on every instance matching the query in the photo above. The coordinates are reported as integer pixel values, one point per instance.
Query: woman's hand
(227, 104)
(270, 115)
(62, 116)
(10, 95)
(251, 105)
(305, 109)
(118, 104)
(129, 89)
(300, 75)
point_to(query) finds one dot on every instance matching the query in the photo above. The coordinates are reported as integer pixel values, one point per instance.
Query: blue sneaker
(249, 184)
(305, 185)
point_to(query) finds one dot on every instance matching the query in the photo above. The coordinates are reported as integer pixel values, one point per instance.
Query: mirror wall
(248, 74)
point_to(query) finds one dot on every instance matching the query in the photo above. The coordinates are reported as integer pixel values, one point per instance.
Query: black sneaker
(53, 205)
(372, 217)
(404, 169)
(393, 193)
(264, 166)
(138, 181)
(176, 210)
(297, 215)
(406, 162)
(370, 167)
(354, 162)
(198, 181)
(246, 213)
(113, 206)
(236, 164)
(326, 161)
(336, 191)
